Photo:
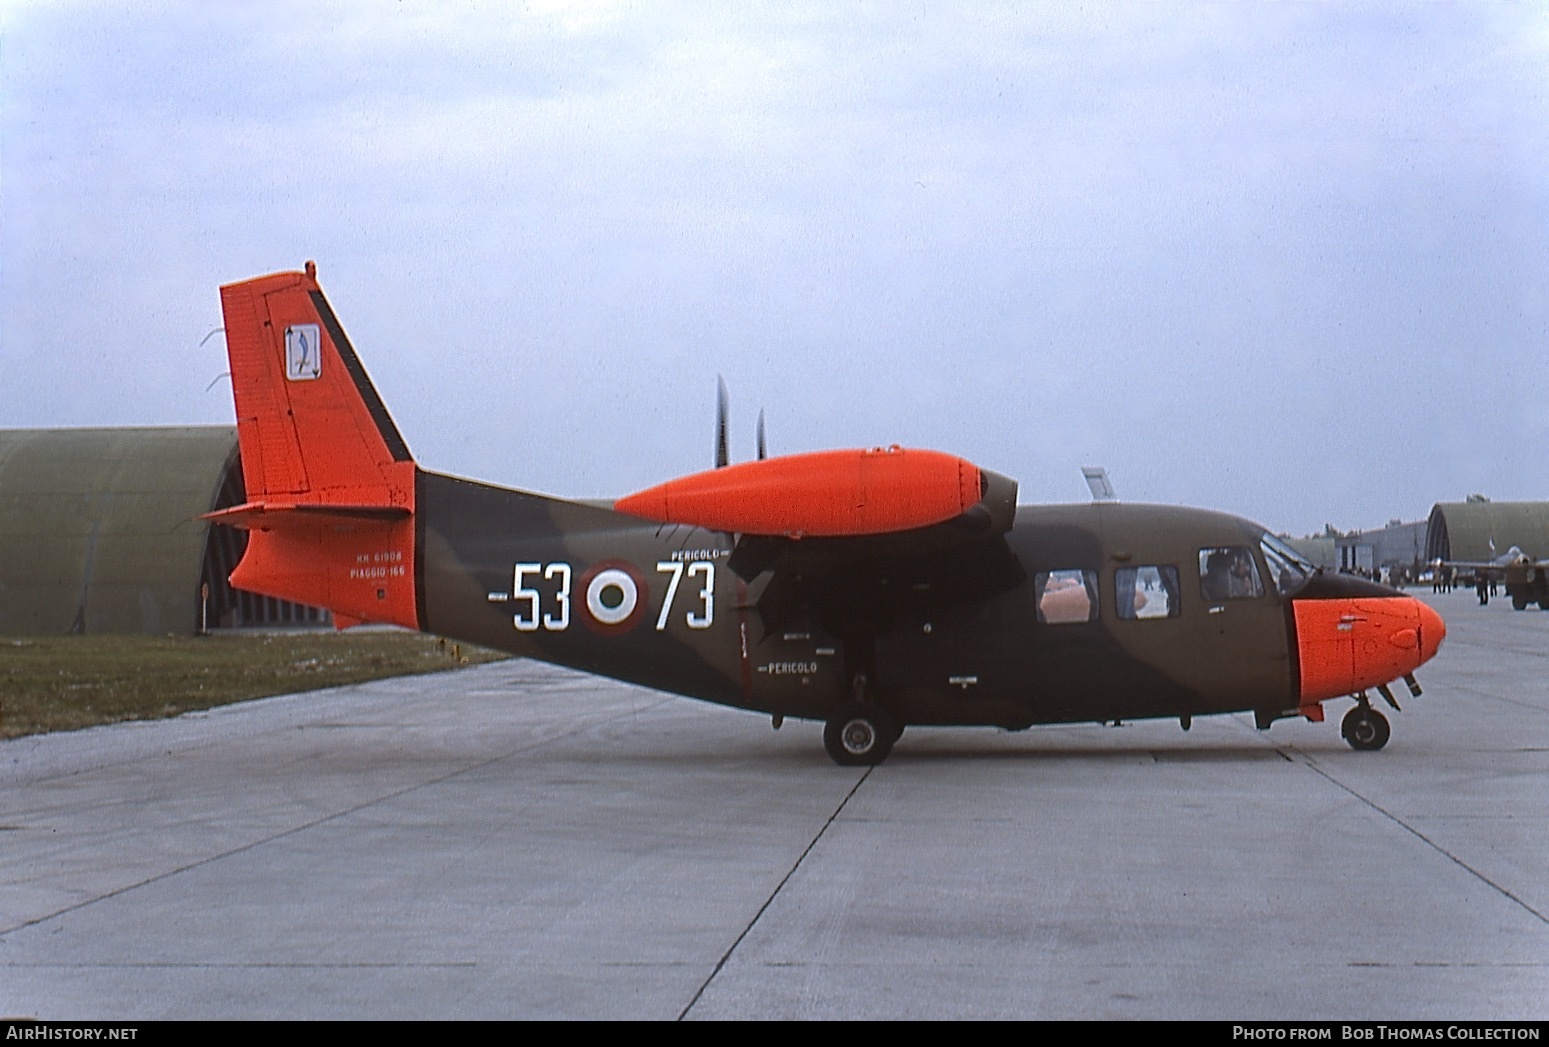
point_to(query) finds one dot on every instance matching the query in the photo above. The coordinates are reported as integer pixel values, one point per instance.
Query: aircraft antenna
(763, 450)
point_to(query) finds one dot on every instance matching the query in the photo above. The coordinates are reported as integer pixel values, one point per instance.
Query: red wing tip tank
(822, 494)
(870, 590)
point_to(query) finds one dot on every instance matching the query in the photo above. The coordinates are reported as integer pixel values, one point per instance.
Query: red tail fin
(311, 424)
(330, 482)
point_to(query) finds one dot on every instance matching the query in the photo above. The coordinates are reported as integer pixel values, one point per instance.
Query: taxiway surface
(519, 841)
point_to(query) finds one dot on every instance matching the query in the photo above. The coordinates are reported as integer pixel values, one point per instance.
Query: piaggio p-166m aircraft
(870, 589)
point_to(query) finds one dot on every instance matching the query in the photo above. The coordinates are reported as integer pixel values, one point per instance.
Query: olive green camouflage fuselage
(948, 637)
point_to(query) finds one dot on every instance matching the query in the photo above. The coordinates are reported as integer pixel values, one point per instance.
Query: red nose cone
(1432, 631)
(1347, 645)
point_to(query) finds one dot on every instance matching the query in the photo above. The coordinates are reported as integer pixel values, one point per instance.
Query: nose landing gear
(1365, 728)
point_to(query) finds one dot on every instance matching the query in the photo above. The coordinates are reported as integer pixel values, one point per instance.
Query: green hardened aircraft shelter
(1464, 531)
(100, 533)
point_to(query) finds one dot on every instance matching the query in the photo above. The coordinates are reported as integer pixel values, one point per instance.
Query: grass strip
(68, 682)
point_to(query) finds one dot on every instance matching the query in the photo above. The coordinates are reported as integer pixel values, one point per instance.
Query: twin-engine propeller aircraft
(870, 589)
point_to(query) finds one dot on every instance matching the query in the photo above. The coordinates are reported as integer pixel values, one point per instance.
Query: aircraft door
(1245, 638)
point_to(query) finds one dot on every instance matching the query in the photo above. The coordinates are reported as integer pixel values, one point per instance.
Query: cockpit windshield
(1286, 566)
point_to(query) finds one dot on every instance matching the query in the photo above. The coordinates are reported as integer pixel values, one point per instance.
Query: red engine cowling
(822, 494)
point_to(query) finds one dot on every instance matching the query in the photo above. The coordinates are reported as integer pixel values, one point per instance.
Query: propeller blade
(763, 450)
(722, 452)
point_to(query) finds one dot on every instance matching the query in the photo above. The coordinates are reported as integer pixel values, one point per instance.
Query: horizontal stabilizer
(268, 516)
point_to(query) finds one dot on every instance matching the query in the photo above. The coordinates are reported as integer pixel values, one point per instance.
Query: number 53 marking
(527, 621)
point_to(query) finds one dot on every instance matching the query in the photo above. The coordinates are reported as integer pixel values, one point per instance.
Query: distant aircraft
(870, 589)
(1526, 579)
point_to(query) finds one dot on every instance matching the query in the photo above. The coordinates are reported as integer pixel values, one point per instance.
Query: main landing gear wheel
(1365, 728)
(860, 734)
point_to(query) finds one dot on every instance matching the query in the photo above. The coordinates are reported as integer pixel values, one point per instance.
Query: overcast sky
(1286, 260)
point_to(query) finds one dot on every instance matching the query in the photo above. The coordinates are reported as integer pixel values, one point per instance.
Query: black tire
(1366, 730)
(1518, 602)
(860, 735)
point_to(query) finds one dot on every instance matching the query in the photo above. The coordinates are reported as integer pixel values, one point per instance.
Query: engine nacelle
(821, 494)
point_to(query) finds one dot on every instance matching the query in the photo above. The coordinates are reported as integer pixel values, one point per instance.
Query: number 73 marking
(702, 569)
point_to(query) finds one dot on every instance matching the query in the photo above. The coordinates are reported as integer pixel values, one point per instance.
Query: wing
(1494, 565)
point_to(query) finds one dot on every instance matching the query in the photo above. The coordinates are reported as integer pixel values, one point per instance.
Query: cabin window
(1228, 573)
(1147, 592)
(1066, 596)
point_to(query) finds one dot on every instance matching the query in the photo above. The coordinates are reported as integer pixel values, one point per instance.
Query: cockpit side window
(1228, 573)
(1066, 596)
(1289, 571)
(1147, 592)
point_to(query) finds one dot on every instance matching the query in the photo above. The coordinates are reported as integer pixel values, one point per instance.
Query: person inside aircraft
(1215, 580)
(1228, 574)
(1244, 576)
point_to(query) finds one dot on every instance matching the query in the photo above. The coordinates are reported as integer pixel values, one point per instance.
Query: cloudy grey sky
(1288, 260)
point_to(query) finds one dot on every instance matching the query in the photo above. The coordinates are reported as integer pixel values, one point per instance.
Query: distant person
(1482, 587)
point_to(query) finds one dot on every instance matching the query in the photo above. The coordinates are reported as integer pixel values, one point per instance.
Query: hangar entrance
(221, 606)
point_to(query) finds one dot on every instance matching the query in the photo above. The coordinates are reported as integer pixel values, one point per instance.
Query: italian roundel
(613, 596)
